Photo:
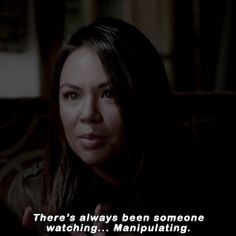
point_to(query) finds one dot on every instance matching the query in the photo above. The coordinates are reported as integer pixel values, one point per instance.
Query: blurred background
(194, 37)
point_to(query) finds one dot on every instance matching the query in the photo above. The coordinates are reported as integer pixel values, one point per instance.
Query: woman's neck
(108, 175)
(116, 172)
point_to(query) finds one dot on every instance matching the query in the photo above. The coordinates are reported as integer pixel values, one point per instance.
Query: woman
(111, 119)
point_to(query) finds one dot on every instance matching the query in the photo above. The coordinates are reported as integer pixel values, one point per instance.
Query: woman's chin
(93, 160)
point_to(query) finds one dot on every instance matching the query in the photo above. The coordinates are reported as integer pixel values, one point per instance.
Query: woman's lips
(91, 141)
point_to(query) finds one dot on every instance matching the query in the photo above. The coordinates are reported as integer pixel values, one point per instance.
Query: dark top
(25, 191)
(175, 194)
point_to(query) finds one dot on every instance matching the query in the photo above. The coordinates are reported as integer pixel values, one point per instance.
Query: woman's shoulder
(25, 190)
(34, 172)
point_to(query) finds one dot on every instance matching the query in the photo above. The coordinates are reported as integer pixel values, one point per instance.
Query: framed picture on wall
(13, 25)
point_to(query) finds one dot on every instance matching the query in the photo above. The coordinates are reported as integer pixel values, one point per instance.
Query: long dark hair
(137, 74)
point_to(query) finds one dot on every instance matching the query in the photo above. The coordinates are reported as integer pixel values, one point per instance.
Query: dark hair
(137, 74)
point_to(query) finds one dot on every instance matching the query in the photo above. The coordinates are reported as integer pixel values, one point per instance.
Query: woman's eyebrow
(104, 84)
(70, 86)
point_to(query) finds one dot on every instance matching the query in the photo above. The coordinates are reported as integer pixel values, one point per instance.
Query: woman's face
(90, 116)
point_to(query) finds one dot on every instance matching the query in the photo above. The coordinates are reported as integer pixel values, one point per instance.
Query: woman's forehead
(82, 68)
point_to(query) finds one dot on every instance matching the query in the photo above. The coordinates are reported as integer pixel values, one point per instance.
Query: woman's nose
(90, 112)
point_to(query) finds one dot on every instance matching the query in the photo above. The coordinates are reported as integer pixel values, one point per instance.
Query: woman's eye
(71, 96)
(108, 93)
